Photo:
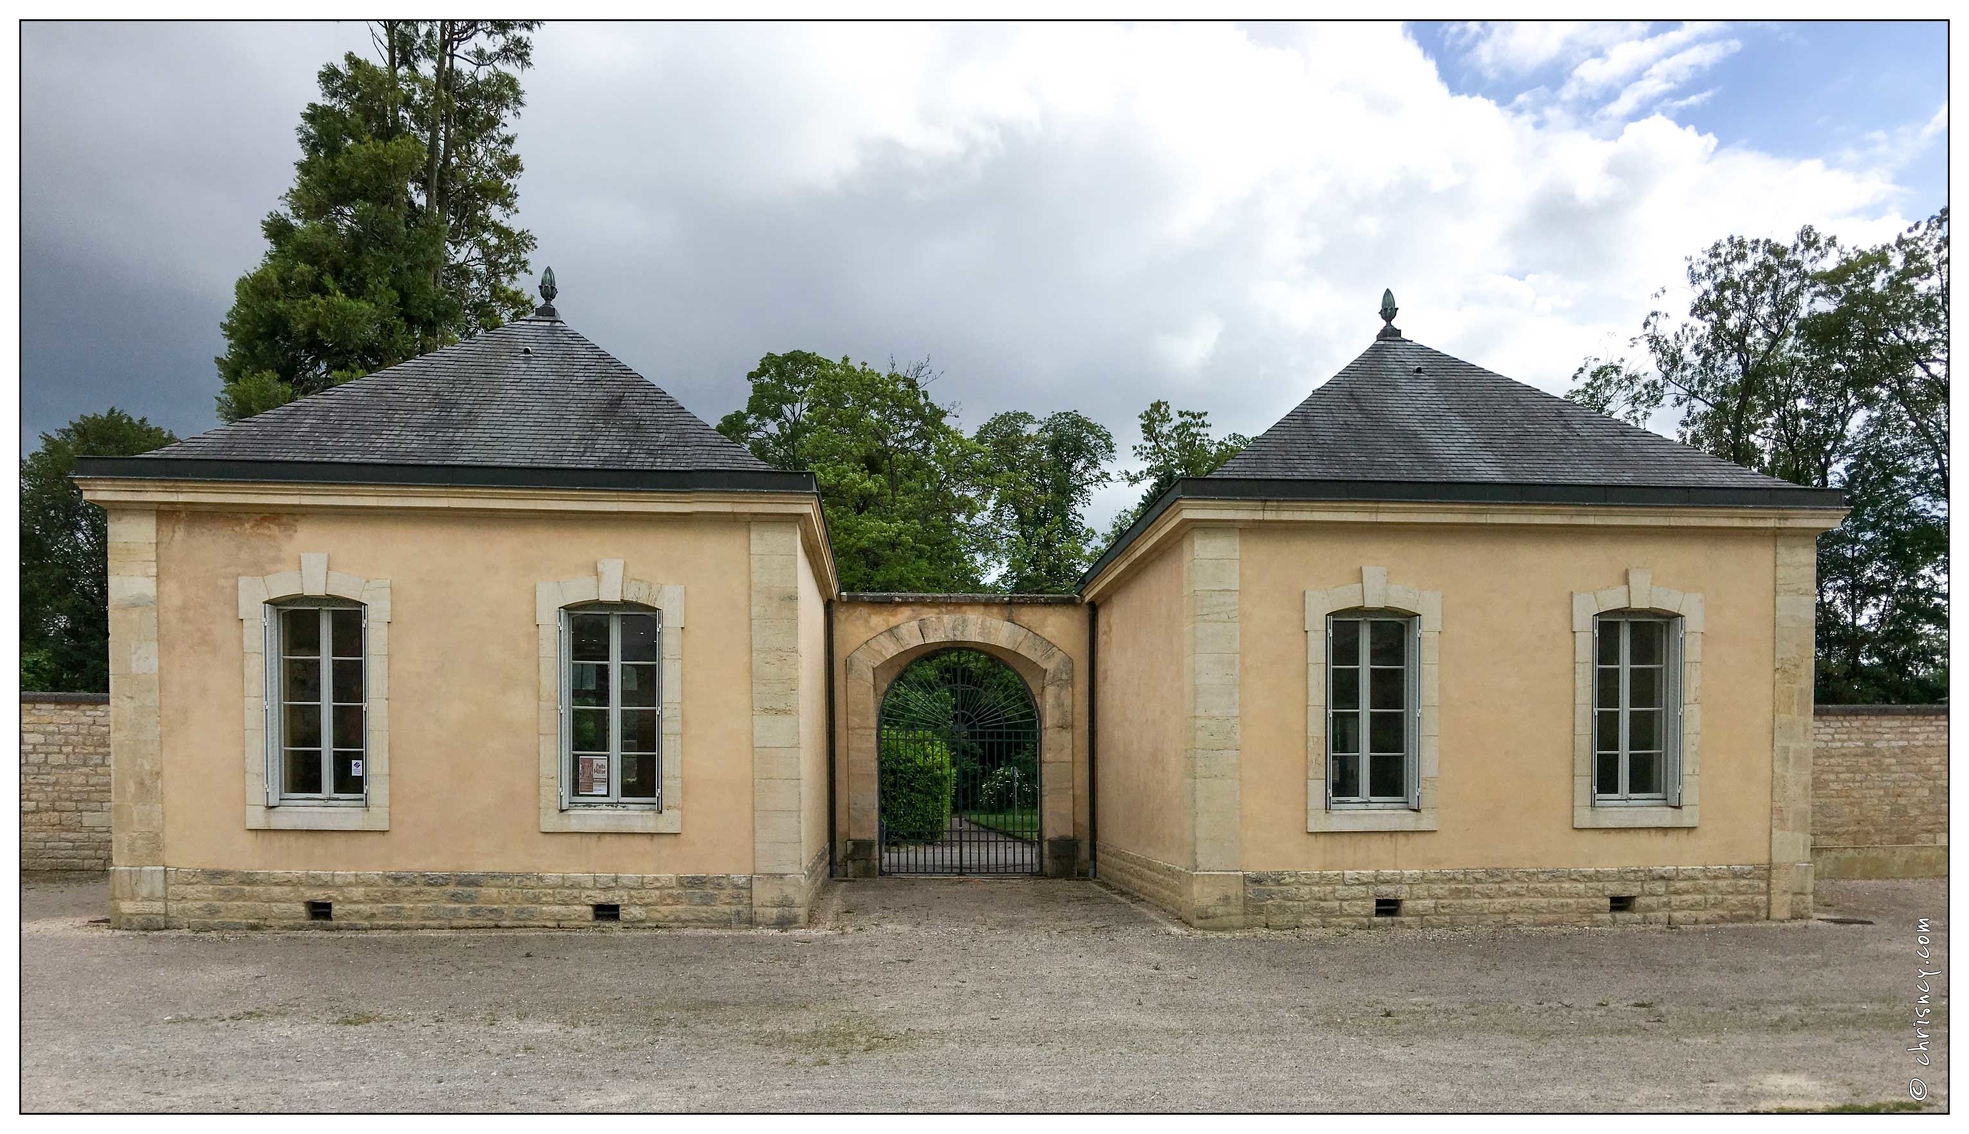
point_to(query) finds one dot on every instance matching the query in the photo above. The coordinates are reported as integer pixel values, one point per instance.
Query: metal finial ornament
(547, 293)
(1388, 311)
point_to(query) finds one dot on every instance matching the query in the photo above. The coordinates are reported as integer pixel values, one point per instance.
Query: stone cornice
(1182, 513)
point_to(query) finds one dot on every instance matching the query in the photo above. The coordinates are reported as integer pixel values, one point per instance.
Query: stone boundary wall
(277, 899)
(1880, 791)
(64, 781)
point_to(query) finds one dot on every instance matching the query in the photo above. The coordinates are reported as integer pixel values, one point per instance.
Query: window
(318, 704)
(1637, 709)
(611, 707)
(1372, 728)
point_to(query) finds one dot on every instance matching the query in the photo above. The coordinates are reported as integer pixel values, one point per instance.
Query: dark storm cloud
(1082, 217)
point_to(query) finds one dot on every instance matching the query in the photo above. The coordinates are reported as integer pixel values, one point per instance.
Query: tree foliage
(1826, 367)
(64, 546)
(1173, 445)
(896, 474)
(1041, 473)
(397, 236)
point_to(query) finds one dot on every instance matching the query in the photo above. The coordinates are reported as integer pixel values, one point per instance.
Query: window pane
(590, 730)
(1643, 730)
(591, 775)
(1644, 773)
(1346, 732)
(639, 685)
(1385, 732)
(639, 637)
(1645, 642)
(1389, 687)
(301, 774)
(1607, 779)
(589, 634)
(349, 768)
(345, 631)
(639, 730)
(300, 679)
(302, 728)
(348, 727)
(348, 682)
(1606, 731)
(1644, 687)
(300, 632)
(1607, 686)
(588, 683)
(1608, 641)
(1346, 641)
(1346, 688)
(1384, 776)
(1385, 647)
(639, 777)
(1346, 776)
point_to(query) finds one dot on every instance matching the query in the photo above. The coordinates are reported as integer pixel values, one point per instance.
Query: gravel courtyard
(954, 994)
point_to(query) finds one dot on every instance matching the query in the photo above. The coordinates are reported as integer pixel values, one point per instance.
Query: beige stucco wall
(463, 686)
(1506, 689)
(1142, 713)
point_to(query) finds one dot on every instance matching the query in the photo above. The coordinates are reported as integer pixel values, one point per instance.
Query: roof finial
(547, 293)
(1388, 310)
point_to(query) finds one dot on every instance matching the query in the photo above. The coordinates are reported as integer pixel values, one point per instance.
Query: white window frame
(1410, 797)
(610, 583)
(272, 618)
(1621, 623)
(613, 800)
(1640, 594)
(1375, 592)
(314, 582)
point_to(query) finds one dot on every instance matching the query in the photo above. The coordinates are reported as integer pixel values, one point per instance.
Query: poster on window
(591, 775)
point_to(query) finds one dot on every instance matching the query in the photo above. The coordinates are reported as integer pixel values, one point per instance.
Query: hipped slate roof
(532, 403)
(1404, 422)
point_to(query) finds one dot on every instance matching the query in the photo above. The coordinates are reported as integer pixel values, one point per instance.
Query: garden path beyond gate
(958, 768)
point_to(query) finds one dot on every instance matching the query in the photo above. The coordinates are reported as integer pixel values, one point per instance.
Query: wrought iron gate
(958, 768)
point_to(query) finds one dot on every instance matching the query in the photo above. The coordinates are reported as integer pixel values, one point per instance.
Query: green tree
(397, 236)
(1041, 474)
(1173, 445)
(64, 545)
(1826, 367)
(896, 475)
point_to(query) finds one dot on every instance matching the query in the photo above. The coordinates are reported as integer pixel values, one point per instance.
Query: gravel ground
(956, 994)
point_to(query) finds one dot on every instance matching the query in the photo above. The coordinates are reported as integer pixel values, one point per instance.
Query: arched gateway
(942, 690)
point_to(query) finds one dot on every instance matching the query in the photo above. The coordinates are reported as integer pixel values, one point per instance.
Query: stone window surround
(315, 580)
(1373, 592)
(609, 583)
(1640, 593)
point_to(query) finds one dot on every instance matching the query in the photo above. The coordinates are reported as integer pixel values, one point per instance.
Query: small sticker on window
(355, 767)
(591, 775)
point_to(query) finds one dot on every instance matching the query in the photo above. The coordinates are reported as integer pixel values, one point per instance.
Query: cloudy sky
(1079, 216)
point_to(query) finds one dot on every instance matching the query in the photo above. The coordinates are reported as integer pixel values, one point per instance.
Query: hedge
(917, 781)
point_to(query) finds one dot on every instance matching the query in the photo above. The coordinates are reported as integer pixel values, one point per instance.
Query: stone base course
(1331, 899)
(273, 899)
(1157, 883)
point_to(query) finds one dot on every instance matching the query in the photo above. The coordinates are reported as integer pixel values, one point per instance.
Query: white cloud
(1614, 71)
(1085, 216)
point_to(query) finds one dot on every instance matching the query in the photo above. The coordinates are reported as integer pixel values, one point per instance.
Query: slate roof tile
(531, 394)
(1402, 412)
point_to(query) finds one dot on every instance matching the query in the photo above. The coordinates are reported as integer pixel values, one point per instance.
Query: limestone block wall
(1880, 791)
(64, 781)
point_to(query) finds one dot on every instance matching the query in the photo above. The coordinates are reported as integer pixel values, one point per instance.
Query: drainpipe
(1093, 739)
(828, 622)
